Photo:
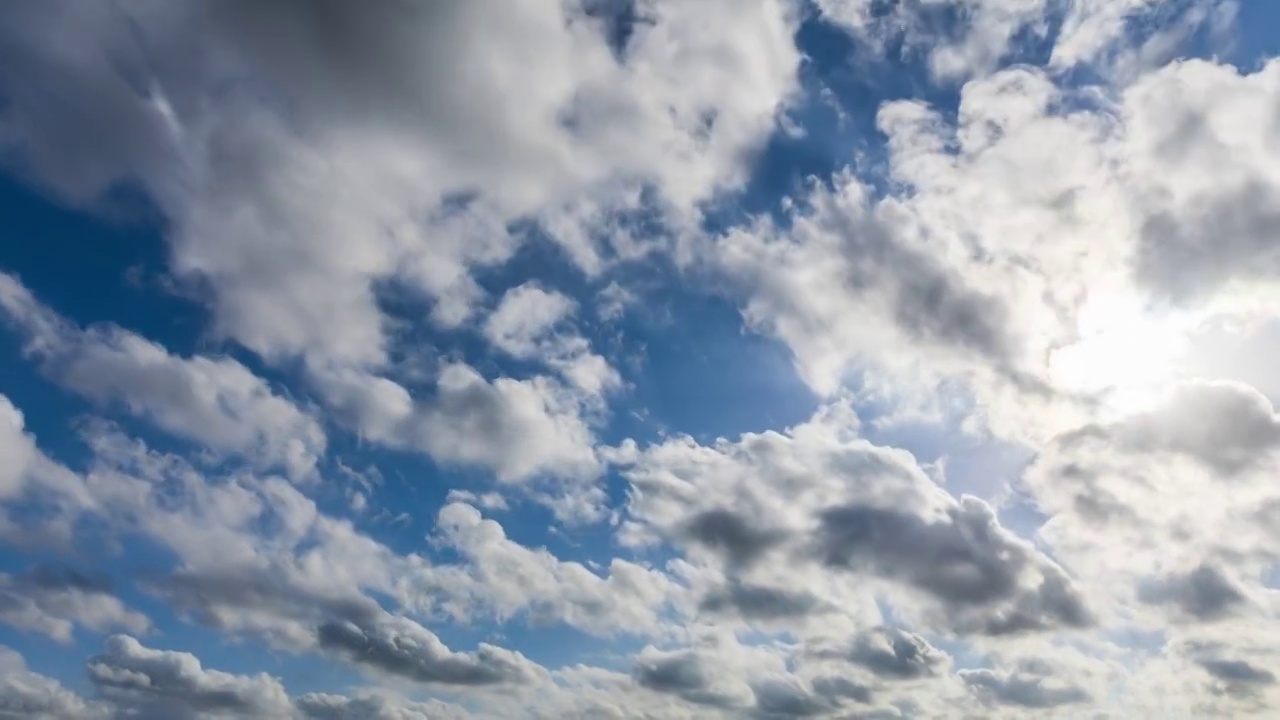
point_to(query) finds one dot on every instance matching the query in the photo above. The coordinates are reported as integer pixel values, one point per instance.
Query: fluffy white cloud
(524, 326)
(516, 428)
(25, 694)
(274, 143)
(1165, 484)
(504, 578)
(216, 402)
(817, 519)
(175, 684)
(17, 451)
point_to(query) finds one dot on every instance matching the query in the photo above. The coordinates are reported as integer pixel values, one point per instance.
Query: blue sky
(639, 359)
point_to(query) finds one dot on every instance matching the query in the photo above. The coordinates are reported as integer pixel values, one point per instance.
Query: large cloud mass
(639, 359)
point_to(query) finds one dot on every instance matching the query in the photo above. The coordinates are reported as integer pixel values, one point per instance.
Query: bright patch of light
(1125, 355)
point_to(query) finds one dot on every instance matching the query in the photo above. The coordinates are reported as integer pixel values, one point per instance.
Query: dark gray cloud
(965, 560)
(740, 540)
(403, 648)
(1204, 593)
(929, 301)
(53, 576)
(1238, 672)
(1193, 251)
(687, 674)
(758, 602)
(896, 654)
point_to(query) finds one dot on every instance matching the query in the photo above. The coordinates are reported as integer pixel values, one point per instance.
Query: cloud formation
(639, 359)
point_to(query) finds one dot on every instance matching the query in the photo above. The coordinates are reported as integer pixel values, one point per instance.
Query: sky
(639, 359)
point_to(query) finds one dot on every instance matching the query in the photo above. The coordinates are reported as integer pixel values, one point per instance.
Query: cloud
(401, 647)
(1205, 593)
(1238, 672)
(165, 683)
(896, 654)
(217, 403)
(817, 504)
(500, 578)
(25, 694)
(17, 451)
(270, 141)
(693, 677)
(1163, 483)
(524, 325)
(1031, 685)
(52, 600)
(324, 706)
(516, 428)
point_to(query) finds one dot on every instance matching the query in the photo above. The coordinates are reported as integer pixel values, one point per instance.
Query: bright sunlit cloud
(1125, 354)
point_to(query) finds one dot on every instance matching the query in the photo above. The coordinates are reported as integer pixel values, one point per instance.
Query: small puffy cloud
(215, 402)
(518, 429)
(525, 325)
(403, 648)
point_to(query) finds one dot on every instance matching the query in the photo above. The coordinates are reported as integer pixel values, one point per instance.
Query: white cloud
(216, 402)
(26, 694)
(500, 577)
(524, 325)
(816, 522)
(177, 685)
(299, 167)
(52, 601)
(17, 451)
(518, 429)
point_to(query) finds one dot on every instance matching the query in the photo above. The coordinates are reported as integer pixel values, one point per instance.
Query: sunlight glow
(1125, 356)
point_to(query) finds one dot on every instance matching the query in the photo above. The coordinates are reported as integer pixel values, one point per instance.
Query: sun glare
(1125, 356)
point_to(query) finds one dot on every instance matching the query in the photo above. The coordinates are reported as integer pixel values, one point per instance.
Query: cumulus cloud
(215, 402)
(504, 578)
(372, 201)
(1163, 483)
(324, 706)
(771, 505)
(26, 694)
(52, 600)
(175, 684)
(516, 428)
(1031, 685)
(524, 326)
(373, 128)
(17, 451)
